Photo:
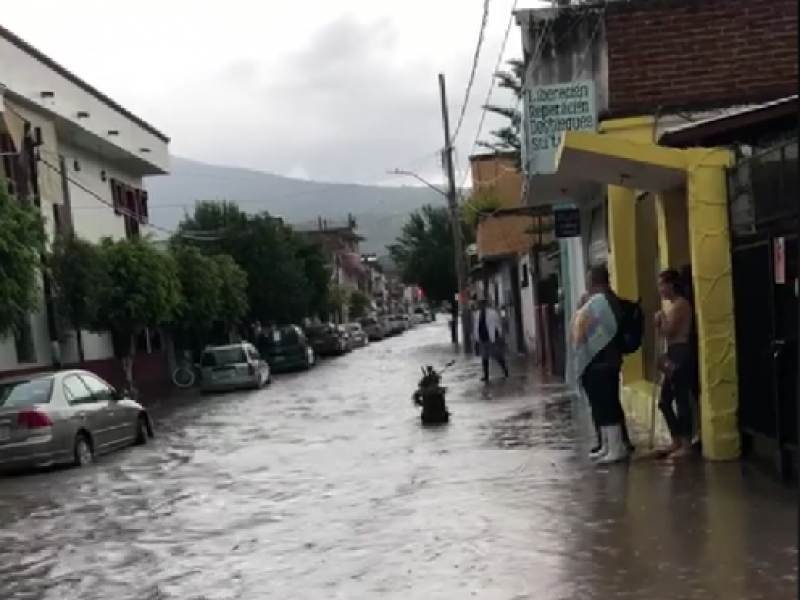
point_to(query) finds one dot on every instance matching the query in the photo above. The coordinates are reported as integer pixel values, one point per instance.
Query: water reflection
(324, 486)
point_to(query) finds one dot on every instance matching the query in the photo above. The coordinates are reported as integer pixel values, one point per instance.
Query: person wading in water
(489, 335)
(674, 325)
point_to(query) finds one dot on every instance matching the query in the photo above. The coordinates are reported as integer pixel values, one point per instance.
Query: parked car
(286, 348)
(233, 367)
(398, 324)
(327, 339)
(67, 417)
(373, 328)
(423, 315)
(358, 337)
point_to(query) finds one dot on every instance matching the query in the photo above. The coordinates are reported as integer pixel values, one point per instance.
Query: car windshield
(220, 357)
(286, 336)
(319, 330)
(25, 393)
(353, 328)
(367, 322)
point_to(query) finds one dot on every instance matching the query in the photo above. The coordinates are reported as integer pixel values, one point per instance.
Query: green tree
(22, 244)
(359, 304)
(263, 247)
(480, 203)
(141, 290)
(233, 305)
(425, 256)
(317, 273)
(79, 276)
(201, 296)
(507, 138)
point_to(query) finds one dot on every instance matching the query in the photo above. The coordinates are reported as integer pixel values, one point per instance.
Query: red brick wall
(699, 53)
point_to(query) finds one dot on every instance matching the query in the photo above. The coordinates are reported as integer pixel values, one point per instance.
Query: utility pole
(458, 243)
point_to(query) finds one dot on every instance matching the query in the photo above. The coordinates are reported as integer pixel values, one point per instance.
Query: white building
(89, 158)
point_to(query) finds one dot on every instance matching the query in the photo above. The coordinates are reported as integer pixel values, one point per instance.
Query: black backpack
(631, 326)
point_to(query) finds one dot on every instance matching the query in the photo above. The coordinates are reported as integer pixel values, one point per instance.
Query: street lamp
(424, 182)
(458, 244)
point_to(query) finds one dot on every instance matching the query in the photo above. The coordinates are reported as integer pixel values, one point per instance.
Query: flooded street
(323, 486)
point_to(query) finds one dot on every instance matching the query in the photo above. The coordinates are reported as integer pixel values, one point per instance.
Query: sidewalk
(645, 530)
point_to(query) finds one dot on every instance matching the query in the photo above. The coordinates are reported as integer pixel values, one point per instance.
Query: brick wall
(685, 54)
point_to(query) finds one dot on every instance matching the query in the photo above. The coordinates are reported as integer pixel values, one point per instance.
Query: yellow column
(622, 261)
(672, 217)
(711, 267)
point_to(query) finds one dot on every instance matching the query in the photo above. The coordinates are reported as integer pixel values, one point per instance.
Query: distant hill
(379, 211)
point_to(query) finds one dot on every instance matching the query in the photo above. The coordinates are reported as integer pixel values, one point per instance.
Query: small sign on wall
(567, 222)
(779, 260)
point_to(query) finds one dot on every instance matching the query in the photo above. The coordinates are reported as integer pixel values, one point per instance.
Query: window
(10, 157)
(26, 393)
(76, 391)
(98, 389)
(222, 357)
(24, 344)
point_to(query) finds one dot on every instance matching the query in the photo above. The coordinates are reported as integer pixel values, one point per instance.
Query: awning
(557, 188)
(610, 160)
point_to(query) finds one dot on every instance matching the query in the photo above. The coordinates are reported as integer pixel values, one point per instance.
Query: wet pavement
(323, 486)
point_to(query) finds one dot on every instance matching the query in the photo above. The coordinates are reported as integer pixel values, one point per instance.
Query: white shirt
(493, 323)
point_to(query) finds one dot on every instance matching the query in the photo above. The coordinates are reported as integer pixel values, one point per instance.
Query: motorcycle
(430, 396)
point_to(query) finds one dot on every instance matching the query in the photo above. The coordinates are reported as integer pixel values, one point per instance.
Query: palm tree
(507, 138)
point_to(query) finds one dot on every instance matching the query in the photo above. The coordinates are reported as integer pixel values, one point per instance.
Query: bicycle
(186, 373)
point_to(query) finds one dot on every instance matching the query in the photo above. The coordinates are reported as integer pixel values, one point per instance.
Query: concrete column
(711, 265)
(622, 261)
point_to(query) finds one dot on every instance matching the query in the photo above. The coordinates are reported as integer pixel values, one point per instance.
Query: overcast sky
(328, 90)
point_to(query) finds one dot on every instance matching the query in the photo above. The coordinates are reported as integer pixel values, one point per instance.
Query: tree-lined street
(323, 485)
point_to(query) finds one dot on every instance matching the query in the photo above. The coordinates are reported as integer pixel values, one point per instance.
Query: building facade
(654, 68)
(82, 159)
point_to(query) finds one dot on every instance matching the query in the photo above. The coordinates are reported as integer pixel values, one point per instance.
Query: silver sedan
(67, 417)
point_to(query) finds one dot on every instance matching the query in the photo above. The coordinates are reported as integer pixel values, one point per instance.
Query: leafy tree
(317, 273)
(359, 304)
(201, 296)
(141, 290)
(337, 301)
(480, 203)
(233, 305)
(425, 256)
(22, 243)
(507, 138)
(79, 276)
(263, 247)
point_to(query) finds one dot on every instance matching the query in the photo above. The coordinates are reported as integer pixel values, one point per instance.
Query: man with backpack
(600, 373)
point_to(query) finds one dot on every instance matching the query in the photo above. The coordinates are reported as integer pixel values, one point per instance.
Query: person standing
(599, 355)
(675, 325)
(489, 336)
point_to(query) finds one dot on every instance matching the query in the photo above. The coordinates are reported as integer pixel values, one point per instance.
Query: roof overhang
(728, 128)
(611, 160)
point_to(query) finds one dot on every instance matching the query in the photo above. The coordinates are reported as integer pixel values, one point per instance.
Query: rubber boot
(602, 445)
(616, 450)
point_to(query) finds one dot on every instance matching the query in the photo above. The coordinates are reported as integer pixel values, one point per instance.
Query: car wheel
(82, 453)
(142, 431)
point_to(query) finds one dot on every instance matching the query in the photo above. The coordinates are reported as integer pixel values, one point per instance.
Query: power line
(475, 60)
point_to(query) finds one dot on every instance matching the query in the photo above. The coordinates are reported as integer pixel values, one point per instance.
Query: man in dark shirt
(601, 382)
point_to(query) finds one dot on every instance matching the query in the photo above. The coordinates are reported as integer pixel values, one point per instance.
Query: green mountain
(379, 211)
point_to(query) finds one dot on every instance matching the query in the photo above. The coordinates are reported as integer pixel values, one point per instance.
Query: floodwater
(323, 486)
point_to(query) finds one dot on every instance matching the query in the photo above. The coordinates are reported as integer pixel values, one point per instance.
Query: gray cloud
(341, 108)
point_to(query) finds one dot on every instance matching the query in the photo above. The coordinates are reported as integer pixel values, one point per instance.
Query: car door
(119, 419)
(87, 411)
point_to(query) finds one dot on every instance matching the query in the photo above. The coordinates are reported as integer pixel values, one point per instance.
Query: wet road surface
(323, 487)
